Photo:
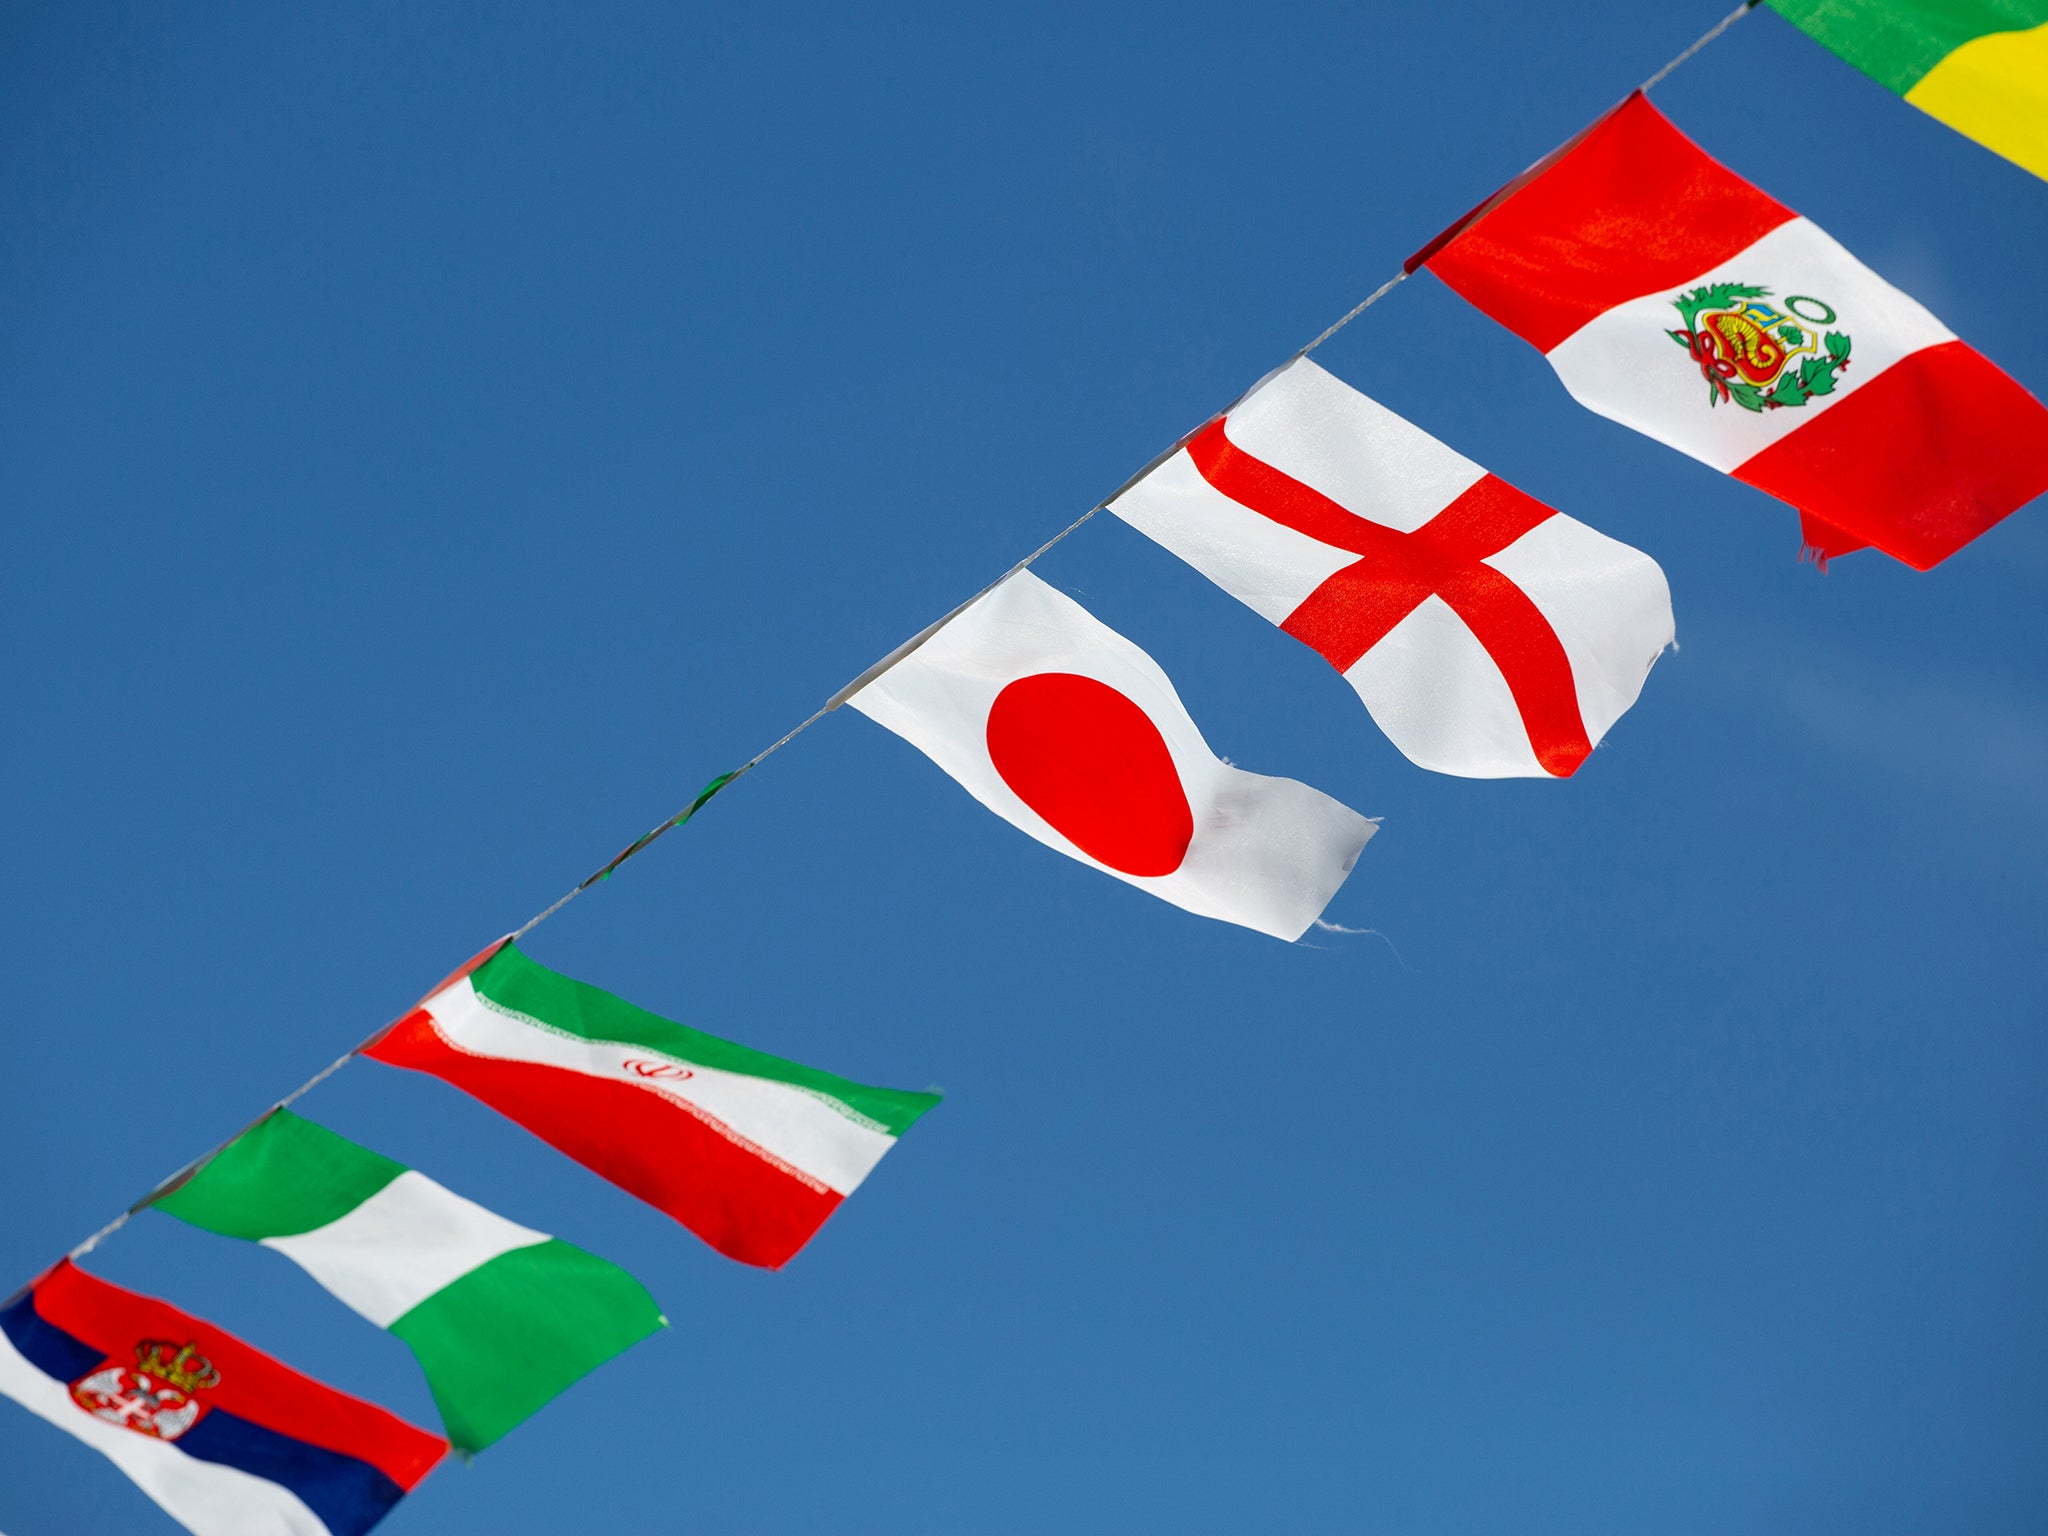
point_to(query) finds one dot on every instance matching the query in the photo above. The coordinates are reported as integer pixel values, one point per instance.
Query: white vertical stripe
(203, 1496)
(400, 1246)
(1625, 365)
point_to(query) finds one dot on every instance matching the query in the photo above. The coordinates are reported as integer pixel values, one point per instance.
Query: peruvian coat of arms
(1761, 355)
(157, 1397)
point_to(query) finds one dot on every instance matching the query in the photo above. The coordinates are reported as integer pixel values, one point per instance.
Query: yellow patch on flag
(1994, 88)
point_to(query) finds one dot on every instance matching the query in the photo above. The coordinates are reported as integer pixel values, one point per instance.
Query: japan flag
(1068, 731)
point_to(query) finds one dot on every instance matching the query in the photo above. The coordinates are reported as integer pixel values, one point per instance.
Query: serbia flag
(229, 1441)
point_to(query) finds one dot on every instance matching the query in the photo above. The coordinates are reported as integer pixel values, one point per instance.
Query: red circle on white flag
(1092, 763)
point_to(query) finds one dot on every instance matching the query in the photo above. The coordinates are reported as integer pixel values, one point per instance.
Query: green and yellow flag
(1981, 66)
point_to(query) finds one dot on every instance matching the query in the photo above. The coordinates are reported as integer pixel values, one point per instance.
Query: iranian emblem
(157, 1397)
(639, 1066)
(1760, 354)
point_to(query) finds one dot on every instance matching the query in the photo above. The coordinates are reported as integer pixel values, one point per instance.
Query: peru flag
(1488, 635)
(229, 1441)
(1673, 296)
(1069, 732)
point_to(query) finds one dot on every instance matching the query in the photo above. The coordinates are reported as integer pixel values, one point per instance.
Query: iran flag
(1068, 731)
(750, 1151)
(1488, 635)
(1673, 296)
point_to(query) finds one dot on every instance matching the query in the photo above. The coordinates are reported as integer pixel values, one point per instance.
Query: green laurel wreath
(1814, 376)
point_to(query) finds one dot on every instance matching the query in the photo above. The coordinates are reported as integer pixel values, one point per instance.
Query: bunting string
(723, 780)
(910, 645)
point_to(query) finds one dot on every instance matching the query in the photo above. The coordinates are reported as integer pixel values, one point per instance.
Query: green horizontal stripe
(500, 1342)
(283, 1177)
(1896, 42)
(519, 984)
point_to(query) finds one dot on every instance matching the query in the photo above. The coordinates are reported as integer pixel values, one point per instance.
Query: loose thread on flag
(705, 795)
(909, 646)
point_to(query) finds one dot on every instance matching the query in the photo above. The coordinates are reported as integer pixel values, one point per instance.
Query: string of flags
(1487, 634)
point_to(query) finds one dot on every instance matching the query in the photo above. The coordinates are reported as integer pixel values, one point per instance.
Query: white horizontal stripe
(1625, 365)
(1268, 853)
(792, 1124)
(403, 1244)
(203, 1496)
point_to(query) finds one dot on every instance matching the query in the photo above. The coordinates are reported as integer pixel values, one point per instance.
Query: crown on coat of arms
(184, 1368)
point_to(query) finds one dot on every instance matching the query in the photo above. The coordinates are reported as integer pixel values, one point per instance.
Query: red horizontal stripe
(738, 1201)
(252, 1385)
(1917, 461)
(1633, 207)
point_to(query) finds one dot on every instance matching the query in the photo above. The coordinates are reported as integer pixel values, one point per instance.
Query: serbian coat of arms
(1760, 355)
(158, 1396)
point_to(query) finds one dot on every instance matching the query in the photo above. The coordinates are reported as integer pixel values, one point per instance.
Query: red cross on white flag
(1072, 734)
(1488, 635)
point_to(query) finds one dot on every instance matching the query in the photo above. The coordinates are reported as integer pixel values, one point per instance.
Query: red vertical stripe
(1916, 462)
(1632, 207)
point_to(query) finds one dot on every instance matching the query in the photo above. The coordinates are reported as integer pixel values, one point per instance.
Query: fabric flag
(748, 1151)
(1981, 66)
(1673, 296)
(1488, 635)
(1069, 732)
(229, 1441)
(501, 1318)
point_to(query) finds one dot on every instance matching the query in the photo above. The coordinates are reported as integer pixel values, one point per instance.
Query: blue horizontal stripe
(348, 1496)
(49, 1349)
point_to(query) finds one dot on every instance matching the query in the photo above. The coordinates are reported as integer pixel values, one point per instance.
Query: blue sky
(440, 438)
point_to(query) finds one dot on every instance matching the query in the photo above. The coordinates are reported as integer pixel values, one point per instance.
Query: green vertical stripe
(522, 986)
(508, 1336)
(1896, 42)
(283, 1177)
